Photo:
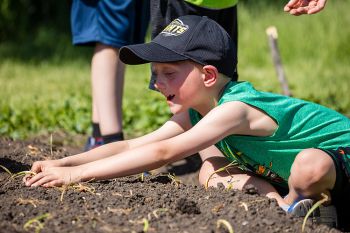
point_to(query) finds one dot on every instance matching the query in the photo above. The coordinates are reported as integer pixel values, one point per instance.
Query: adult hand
(299, 7)
(54, 176)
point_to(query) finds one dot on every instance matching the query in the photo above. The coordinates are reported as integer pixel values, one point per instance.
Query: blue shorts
(111, 22)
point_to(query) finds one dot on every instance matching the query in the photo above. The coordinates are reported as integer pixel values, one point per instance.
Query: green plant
(36, 223)
(315, 206)
(18, 174)
(225, 223)
(232, 164)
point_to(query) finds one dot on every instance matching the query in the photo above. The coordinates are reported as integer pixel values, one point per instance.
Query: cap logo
(175, 28)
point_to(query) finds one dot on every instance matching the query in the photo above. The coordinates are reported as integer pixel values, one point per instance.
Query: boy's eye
(169, 73)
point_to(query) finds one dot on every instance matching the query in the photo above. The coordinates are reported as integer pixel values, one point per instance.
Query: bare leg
(213, 160)
(312, 173)
(107, 76)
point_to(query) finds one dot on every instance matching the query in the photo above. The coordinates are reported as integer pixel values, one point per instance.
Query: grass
(45, 86)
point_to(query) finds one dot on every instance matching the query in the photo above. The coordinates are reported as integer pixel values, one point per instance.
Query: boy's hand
(54, 176)
(299, 7)
(39, 166)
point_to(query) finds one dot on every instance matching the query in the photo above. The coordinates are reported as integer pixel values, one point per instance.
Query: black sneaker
(326, 215)
(93, 142)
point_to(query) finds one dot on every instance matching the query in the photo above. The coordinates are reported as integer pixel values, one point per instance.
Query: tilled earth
(154, 203)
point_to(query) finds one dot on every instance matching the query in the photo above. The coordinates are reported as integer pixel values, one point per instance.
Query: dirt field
(159, 203)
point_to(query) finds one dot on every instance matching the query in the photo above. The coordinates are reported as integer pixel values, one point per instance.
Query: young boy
(292, 144)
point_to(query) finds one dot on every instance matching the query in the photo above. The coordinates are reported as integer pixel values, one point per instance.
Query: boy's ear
(211, 75)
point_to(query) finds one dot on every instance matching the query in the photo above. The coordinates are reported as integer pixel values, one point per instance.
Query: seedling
(243, 204)
(6, 170)
(76, 187)
(145, 225)
(225, 223)
(36, 223)
(144, 221)
(315, 206)
(234, 163)
(158, 210)
(34, 202)
(18, 174)
(155, 213)
(142, 177)
(119, 210)
(23, 173)
(33, 150)
(174, 180)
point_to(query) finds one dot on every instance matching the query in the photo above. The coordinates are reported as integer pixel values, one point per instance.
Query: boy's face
(179, 83)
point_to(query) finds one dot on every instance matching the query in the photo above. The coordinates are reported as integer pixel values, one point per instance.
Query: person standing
(107, 25)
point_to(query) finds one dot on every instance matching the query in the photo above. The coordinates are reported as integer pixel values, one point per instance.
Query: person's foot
(93, 142)
(326, 215)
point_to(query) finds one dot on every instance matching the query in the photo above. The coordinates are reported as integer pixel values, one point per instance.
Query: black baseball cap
(192, 37)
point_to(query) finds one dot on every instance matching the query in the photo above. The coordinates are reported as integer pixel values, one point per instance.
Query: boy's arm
(222, 121)
(227, 119)
(174, 126)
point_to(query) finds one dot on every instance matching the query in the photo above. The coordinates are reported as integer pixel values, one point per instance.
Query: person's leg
(107, 76)
(232, 176)
(313, 172)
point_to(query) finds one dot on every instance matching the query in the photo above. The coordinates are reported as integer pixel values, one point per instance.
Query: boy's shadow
(188, 165)
(13, 166)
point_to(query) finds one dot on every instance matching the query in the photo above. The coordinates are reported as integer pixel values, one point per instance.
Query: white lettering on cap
(175, 28)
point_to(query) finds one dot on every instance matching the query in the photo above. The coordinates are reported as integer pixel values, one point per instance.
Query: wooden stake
(272, 36)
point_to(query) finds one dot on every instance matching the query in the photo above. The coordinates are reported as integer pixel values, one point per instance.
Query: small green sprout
(142, 177)
(36, 222)
(243, 204)
(18, 174)
(76, 187)
(226, 224)
(145, 225)
(6, 170)
(34, 202)
(155, 212)
(23, 173)
(317, 204)
(234, 163)
(174, 180)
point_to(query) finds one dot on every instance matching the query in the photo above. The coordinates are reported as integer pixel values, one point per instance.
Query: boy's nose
(159, 84)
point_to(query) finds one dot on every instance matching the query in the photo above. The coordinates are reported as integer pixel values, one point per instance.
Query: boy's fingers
(44, 180)
(36, 167)
(34, 179)
(54, 183)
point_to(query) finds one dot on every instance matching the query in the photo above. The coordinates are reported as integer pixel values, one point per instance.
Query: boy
(291, 143)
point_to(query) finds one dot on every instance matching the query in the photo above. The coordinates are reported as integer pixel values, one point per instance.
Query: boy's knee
(210, 166)
(312, 167)
(204, 173)
(312, 162)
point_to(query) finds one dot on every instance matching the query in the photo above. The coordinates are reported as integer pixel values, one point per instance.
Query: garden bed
(156, 203)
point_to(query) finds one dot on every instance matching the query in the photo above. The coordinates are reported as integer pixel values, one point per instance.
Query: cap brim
(148, 52)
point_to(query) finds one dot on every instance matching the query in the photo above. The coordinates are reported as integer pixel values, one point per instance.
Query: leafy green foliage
(45, 81)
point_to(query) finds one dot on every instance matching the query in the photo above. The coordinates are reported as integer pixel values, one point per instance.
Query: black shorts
(341, 159)
(341, 191)
(164, 12)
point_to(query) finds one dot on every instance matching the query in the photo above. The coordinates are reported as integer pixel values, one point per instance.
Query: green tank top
(301, 125)
(214, 4)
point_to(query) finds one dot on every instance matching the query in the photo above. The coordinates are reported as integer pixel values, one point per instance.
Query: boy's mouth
(170, 97)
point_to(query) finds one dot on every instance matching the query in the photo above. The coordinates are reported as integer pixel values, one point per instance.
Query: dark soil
(156, 204)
